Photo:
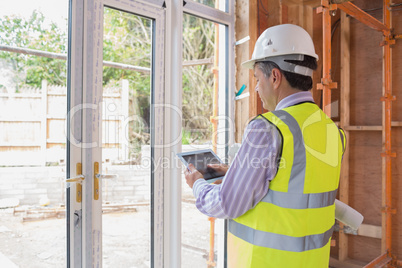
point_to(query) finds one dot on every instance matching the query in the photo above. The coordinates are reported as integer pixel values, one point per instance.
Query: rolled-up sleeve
(247, 180)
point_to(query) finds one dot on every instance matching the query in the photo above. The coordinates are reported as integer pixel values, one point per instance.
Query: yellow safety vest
(293, 224)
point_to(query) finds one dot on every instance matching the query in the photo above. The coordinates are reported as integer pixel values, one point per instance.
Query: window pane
(211, 3)
(200, 83)
(126, 139)
(32, 134)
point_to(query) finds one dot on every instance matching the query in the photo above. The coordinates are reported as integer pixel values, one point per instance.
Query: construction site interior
(358, 83)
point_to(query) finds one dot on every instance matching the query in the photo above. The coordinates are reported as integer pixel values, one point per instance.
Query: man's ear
(276, 77)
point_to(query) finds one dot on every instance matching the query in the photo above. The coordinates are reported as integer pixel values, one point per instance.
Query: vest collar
(299, 97)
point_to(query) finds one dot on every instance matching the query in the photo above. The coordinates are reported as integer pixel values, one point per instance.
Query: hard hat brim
(249, 64)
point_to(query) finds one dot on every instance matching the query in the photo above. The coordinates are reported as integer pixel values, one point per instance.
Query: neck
(286, 92)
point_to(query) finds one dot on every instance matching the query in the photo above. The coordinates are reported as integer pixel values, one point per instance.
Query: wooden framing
(253, 32)
(290, 11)
(345, 122)
(361, 114)
(242, 77)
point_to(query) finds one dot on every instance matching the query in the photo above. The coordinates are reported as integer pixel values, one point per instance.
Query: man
(280, 190)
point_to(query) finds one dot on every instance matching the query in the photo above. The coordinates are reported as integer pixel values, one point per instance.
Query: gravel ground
(126, 239)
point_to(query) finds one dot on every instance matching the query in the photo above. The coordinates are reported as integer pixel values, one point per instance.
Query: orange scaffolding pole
(387, 154)
(326, 84)
(363, 17)
(214, 121)
(380, 261)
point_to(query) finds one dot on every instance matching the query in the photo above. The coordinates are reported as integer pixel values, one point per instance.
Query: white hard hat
(280, 43)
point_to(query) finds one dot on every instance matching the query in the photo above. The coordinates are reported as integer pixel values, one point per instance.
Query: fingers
(214, 165)
(191, 175)
(217, 165)
(191, 167)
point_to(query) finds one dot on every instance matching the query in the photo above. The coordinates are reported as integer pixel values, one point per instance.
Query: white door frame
(74, 134)
(225, 16)
(86, 54)
(85, 72)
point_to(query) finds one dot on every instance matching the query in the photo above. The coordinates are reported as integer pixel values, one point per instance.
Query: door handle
(107, 176)
(78, 179)
(98, 176)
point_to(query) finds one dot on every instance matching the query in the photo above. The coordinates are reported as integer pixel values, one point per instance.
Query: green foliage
(185, 137)
(127, 40)
(35, 34)
(198, 43)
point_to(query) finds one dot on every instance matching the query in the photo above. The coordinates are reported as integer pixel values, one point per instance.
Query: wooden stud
(255, 105)
(253, 32)
(308, 19)
(242, 75)
(362, 128)
(345, 121)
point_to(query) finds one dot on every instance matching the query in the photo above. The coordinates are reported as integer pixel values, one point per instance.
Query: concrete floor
(126, 238)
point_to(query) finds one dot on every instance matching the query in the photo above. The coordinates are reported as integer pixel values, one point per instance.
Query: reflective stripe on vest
(278, 241)
(300, 201)
(296, 181)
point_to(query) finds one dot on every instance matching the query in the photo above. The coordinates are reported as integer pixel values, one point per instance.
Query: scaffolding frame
(327, 7)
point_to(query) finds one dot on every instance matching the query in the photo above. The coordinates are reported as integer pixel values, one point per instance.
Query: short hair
(297, 81)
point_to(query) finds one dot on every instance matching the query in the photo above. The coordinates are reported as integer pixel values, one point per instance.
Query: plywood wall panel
(317, 39)
(365, 75)
(363, 248)
(397, 135)
(365, 174)
(397, 189)
(397, 67)
(366, 109)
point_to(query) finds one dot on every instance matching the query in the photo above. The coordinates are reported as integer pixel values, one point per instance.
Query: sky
(54, 10)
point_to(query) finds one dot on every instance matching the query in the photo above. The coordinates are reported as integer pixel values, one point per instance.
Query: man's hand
(220, 168)
(192, 175)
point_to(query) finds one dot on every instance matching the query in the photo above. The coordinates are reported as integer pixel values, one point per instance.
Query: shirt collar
(294, 99)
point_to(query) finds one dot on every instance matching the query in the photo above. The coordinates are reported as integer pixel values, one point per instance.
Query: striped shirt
(255, 165)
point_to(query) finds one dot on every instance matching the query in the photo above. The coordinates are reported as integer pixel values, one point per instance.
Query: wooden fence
(33, 125)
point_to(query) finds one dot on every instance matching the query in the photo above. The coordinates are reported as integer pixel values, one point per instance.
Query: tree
(198, 43)
(35, 34)
(127, 39)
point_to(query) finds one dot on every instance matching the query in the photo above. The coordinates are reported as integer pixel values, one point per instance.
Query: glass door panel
(33, 99)
(210, 3)
(201, 96)
(126, 139)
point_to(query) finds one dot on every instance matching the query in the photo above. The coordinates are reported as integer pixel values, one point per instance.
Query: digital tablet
(200, 159)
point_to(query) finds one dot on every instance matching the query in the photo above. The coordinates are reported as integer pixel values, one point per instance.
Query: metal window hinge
(164, 4)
